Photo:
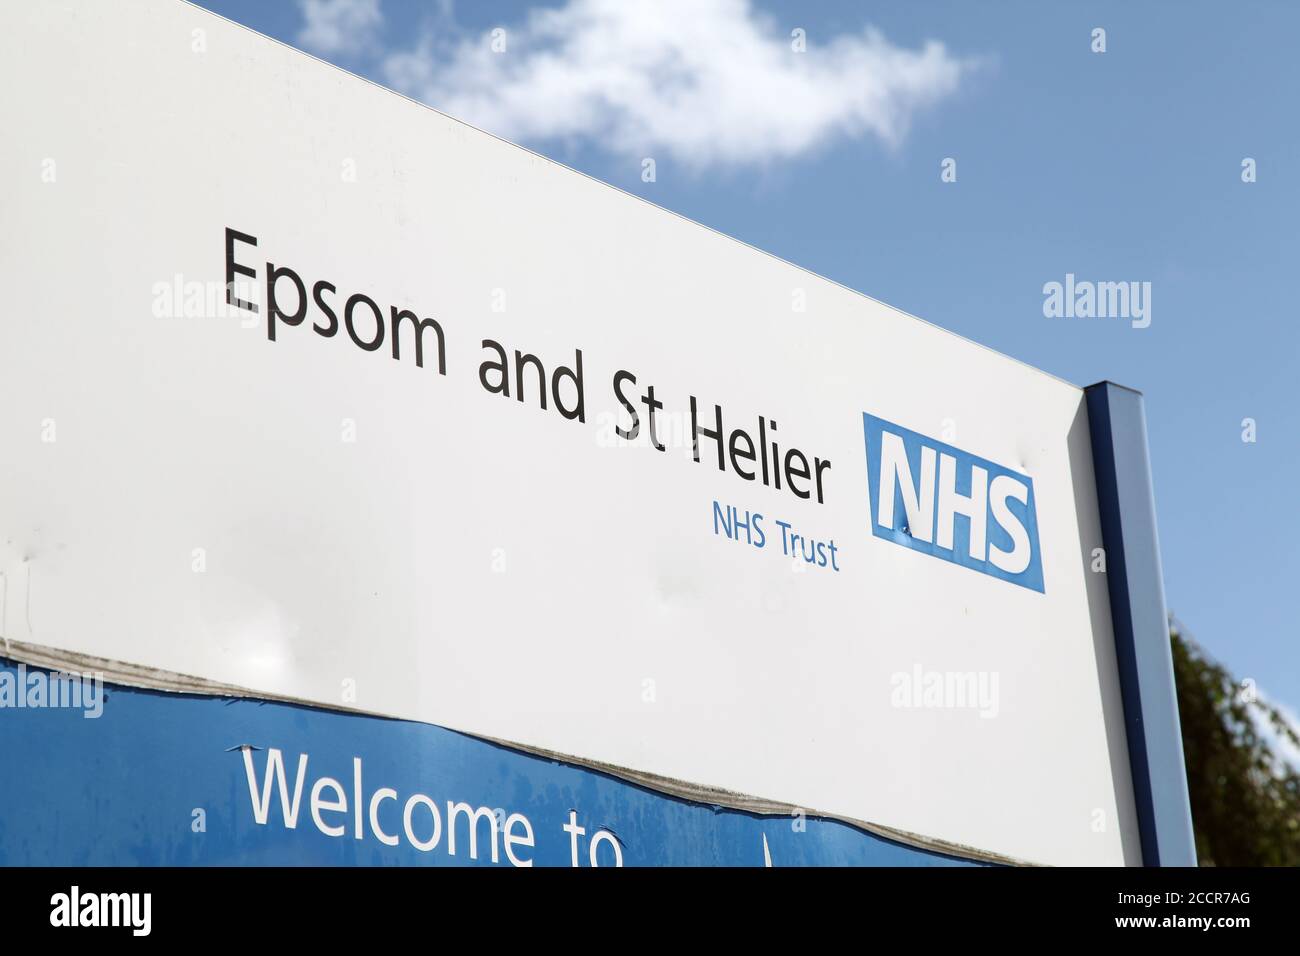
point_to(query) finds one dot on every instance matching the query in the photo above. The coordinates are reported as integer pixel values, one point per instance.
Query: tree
(1245, 797)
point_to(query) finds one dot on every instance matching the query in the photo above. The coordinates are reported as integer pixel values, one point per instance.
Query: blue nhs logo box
(931, 497)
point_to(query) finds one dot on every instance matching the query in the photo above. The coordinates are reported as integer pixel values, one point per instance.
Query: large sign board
(308, 389)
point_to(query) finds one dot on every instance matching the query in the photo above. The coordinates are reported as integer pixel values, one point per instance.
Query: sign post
(1137, 600)
(469, 440)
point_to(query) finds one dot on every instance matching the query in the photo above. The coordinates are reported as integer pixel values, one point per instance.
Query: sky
(1123, 165)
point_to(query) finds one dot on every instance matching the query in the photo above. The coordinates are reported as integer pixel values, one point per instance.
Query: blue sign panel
(108, 775)
(931, 497)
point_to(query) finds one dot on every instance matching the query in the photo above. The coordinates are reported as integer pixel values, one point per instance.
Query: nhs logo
(940, 500)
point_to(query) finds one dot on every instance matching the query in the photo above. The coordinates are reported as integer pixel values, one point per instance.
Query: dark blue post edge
(1126, 503)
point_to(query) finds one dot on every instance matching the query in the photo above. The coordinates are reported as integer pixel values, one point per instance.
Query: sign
(921, 487)
(472, 440)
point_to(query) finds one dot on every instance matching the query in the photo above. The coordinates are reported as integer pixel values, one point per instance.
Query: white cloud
(1283, 746)
(708, 82)
(339, 27)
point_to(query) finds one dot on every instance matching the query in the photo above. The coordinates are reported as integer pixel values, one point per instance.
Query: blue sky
(1117, 166)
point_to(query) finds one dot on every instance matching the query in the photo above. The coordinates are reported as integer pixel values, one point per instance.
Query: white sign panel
(482, 442)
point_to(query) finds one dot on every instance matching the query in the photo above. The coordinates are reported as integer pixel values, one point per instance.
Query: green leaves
(1245, 796)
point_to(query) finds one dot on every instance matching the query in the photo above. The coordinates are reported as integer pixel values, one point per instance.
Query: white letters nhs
(940, 500)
